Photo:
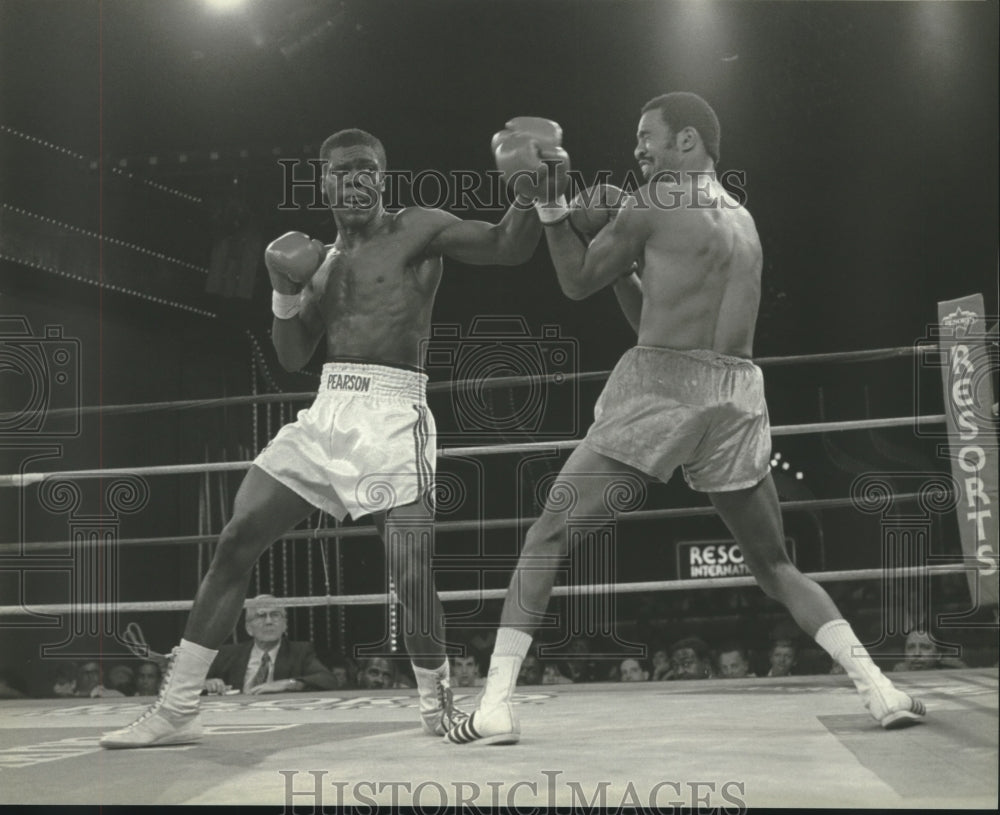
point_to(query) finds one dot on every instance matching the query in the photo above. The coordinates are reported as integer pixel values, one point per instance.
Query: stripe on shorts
(420, 437)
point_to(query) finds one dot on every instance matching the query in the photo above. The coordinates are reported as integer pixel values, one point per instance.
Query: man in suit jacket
(268, 663)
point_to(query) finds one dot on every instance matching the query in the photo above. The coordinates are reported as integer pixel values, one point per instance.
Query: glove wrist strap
(552, 212)
(285, 306)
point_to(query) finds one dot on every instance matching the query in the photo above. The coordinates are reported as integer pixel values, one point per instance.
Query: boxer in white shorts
(367, 443)
(687, 396)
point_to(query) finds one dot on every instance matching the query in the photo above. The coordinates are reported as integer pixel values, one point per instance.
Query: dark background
(867, 133)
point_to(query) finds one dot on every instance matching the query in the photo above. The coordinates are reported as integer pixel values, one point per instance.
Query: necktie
(261, 676)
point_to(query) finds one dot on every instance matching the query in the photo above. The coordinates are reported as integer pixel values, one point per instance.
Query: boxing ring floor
(797, 741)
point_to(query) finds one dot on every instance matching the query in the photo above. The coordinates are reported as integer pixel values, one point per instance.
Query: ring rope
(871, 355)
(484, 525)
(24, 479)
(499, 594)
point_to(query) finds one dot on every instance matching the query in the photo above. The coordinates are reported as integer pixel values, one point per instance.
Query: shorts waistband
(700, 355)
(371, 379)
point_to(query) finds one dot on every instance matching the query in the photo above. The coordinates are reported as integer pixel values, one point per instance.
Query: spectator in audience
(465, 671)
(404, 675)
(923, 653)
(102, 690)
(531, 671)
(122, 679)
(553, 675)
(483, 640)
(632, 670)
(690, 659)
(88, 682)
(733, 661)
(147, 678)
(580, 665)
(341, 671)
(88, 677)
(267, 663)
(376, 673)
(65, 680)
(660, 660)
(782, 658)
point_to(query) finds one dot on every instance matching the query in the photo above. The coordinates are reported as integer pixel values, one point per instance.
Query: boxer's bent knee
(547, 536)
(778, 579)
(410, 569)
(413, 579)
(239, 546)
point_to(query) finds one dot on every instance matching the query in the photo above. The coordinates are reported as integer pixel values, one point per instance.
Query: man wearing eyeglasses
(269, 662)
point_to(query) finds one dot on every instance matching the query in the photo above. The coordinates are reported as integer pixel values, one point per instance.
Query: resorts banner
(970, 407)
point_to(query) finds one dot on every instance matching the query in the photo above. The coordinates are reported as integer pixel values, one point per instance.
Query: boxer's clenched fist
(530, 156)
(292, 260)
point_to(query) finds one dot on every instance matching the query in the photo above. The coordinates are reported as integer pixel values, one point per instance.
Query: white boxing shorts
(699, 410)
(367, 444)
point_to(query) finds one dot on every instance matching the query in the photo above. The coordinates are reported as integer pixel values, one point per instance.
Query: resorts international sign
(715, 558)
(971, 413)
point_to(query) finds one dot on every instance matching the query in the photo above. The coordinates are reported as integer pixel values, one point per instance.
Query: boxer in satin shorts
(700, 410)
(367, 444)
(684, 260)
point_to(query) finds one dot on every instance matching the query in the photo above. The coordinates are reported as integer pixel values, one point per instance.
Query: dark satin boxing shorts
(699, 410)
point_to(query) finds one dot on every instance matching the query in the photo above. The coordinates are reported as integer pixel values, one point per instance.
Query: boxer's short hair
(681, 109)
(349, 138)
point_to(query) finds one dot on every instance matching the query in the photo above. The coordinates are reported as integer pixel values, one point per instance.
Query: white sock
(509, 652)
(427, 684)
(187, 677)
(837, 638)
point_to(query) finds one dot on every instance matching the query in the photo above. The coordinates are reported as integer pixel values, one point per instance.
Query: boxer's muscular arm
(510, 242)
(296, 339)
(522, 150)
(291, 262)
(585, 270)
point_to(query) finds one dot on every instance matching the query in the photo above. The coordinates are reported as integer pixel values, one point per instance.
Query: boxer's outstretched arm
(585, 270)
(510, 242)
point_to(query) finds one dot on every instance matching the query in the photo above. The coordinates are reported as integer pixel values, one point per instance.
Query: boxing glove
(292, 260)
(530, 157)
